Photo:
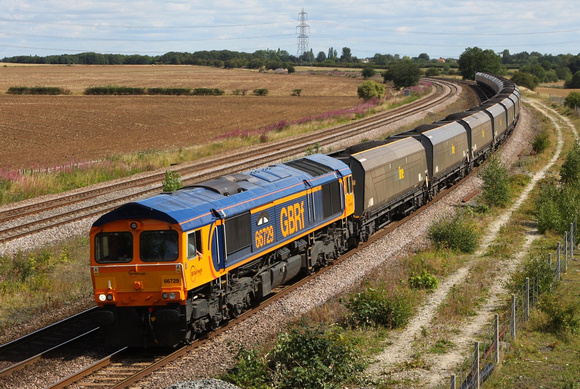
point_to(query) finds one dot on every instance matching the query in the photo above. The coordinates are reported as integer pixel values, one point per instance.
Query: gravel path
(401, 349)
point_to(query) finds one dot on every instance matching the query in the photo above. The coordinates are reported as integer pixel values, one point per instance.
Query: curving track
(134, 369)
(53, 213)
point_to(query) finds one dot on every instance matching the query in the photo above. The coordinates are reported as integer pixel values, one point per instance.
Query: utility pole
(302, 37)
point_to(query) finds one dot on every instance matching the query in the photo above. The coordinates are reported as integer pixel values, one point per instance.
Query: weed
(379, 306)
(423, 280)
(172, 181)
(442, 346)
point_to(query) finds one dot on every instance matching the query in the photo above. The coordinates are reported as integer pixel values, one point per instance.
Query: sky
(443, 28)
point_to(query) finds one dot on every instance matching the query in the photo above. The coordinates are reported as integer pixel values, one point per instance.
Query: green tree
(525, 79)
(506, 57)
(423, 57)
(346, 55)
(575, 81)
(572, 100)
(368, 71)
(477, 60)
(432, 72)
(369, 89)
(564, 73)
(403, 74)
(570, 170)
(536, 70)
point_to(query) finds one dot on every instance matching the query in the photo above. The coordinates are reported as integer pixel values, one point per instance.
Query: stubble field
(42, 131)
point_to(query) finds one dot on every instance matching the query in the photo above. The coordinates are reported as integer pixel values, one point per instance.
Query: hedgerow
(37, 90)
(114, 90)
(208, 92)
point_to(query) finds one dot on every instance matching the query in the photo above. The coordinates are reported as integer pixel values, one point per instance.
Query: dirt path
(401, 349)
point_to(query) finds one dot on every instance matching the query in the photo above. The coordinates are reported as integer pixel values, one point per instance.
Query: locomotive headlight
(172, 296)
(110, 297)
(164, 295)
(102, 297)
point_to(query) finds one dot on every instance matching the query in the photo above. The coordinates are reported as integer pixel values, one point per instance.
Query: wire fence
(486, 355)
(561, 100)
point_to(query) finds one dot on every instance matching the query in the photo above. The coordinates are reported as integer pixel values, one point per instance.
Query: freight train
(168, 268)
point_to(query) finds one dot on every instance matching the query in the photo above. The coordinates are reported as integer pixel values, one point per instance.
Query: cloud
(439, 28)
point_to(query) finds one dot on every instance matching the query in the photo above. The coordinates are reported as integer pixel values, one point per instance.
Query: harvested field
(40, 131)
(554, 89)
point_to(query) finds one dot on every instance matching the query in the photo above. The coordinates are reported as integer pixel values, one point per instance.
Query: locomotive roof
(200, 204)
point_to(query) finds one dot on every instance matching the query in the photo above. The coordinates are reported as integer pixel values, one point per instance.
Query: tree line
(531, 68)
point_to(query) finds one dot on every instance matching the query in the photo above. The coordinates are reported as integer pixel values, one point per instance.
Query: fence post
(565, 264)
(496, 340)
(477, 364)
(453, 385)
(550, 260)
(558, 264)
(513, 317)
(527, 302)
(572, 232)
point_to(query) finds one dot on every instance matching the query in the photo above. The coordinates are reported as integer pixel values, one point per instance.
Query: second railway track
(18, 222)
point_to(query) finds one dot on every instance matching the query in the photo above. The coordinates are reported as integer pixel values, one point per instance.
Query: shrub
(572, 100)
(238, 92)
(423, 280)
(570, 170)
(455, 232)
(303, 357)
(496, 183)
(296, 92)
(541, 142)
(563, 319)
(370, 89)
(172, 181)
(538, 270)
(250, 370)
(432, 72)
(368, 72)
(260, 92)
(379, 307)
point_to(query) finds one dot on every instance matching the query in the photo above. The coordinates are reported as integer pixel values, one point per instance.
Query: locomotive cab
(141, 271)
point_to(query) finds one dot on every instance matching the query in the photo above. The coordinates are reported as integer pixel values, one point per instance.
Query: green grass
(541, 357)
(43, 280)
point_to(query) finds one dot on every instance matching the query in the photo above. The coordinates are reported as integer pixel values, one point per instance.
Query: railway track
(127, 367)
(123, 367)
(94, 201)
(42, 344)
